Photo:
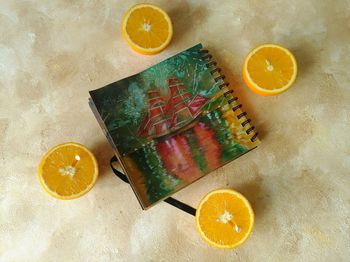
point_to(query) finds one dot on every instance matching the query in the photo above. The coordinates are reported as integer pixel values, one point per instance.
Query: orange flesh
(147, 27)
(223, 232)
(67, 171)
(271, 68)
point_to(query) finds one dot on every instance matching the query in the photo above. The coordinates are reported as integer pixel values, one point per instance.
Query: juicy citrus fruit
(147, 28)
(68, 171)
(269, 69)
(224, 218)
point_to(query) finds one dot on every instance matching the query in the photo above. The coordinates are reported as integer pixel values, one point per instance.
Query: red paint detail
(180, 108)
(195, 104)
(208, 144)
(176, 156)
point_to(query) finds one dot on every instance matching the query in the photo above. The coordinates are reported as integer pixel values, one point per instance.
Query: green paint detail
(213, 105)
(197, 152)
(158, 183)
(223, 134)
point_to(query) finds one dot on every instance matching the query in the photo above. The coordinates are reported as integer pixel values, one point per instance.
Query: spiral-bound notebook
(173, 123)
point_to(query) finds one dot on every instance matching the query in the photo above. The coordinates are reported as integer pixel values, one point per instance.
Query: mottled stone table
(53, 52)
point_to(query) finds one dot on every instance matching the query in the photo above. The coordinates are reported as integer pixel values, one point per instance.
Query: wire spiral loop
(218, 77)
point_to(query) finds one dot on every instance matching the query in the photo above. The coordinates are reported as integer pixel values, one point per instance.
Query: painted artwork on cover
(171, 124)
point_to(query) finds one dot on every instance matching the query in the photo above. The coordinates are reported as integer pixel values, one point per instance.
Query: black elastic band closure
(172, 201)
(117, 172)
(184, 207)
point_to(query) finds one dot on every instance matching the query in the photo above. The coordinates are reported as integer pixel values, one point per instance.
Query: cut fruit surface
(269, 69)
(224, 218)
(147, 28)
(68, 171)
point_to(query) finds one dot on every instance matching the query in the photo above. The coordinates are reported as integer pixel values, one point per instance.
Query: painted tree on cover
(122, 115)
(158, 183)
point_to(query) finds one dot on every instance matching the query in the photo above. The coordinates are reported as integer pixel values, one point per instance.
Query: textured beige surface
(53, 52)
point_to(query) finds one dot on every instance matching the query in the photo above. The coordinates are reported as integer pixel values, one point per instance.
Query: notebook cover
(172, 123)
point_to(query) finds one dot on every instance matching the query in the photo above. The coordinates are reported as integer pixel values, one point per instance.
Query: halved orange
(224, 218)
(269, 69)
(147, 28)
(68, 171)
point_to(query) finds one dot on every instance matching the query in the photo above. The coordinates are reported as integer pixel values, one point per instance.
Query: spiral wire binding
(216, 72)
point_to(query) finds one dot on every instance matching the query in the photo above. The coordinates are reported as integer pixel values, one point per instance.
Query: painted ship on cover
(164, 117)
(173, 123)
